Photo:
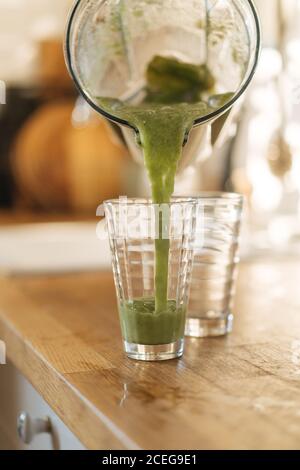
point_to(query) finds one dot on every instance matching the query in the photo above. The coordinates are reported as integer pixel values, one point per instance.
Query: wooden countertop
(239, 392)
(20, 216)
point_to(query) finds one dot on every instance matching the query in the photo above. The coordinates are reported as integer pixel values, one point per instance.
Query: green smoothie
(172, 104)
(141, 324)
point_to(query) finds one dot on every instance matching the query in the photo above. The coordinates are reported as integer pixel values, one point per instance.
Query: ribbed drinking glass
(152, 249)
(214, 265)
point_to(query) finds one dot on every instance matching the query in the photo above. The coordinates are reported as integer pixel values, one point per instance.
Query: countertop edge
(89, 425)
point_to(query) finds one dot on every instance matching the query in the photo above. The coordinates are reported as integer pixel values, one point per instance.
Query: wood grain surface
(239, 392)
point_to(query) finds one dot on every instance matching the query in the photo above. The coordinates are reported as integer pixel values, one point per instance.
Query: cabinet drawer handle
(28, 428)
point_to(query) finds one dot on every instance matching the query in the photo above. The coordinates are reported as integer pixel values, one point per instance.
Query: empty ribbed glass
(214, 265)
(152, 250)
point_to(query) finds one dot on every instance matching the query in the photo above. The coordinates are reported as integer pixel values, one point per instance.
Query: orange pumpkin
(58, 166)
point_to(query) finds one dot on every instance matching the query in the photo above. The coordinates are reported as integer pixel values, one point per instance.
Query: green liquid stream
(163, 120)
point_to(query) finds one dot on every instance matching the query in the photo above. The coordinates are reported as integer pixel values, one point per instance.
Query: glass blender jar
(109, 44)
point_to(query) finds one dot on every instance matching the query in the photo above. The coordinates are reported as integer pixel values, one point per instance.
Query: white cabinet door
(17, 396)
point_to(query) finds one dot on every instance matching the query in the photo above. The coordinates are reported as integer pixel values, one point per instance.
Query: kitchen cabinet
(16, 396)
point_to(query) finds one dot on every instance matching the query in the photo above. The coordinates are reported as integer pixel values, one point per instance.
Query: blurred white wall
(22, 22)
(269, 20)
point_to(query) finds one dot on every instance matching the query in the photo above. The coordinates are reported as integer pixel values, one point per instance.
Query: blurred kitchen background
(58, 157)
